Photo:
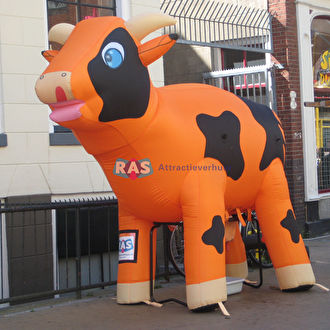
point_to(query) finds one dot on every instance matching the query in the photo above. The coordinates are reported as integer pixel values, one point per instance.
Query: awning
(220, 24)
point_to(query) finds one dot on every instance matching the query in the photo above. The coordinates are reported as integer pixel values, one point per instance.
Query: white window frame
(307, 10)
(123, 9)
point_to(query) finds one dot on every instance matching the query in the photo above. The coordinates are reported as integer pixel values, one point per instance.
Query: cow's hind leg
(280, 232)
(133, 285)
(203, 209)
(236, 265)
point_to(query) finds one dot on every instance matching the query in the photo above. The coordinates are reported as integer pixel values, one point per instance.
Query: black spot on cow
(274, 147)
(222, 141)
(289, 223)
(214, 236)
(124, 90)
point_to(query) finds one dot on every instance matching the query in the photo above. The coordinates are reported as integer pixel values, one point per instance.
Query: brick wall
(286, 52)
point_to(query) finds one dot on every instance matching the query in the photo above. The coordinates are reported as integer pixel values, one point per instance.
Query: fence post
(166, 244)
(78, 254)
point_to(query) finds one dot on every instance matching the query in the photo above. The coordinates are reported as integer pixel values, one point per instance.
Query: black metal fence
(55, 248)
(50, 249)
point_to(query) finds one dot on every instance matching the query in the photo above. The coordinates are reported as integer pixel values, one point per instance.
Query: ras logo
(128, 246)
(132, 169)
(125, 245)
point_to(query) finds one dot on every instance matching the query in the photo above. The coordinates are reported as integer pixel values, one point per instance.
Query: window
(241, 59)
(245, 84)
(243, 73)
(73, 11)
(321, 82)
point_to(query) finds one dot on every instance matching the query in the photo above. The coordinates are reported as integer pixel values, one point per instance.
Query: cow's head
(100, 73)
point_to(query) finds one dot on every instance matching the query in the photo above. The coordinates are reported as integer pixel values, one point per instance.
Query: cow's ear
(155, 48)
(49, 54)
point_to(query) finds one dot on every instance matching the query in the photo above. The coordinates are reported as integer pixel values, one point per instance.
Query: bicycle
(254, 250)
(176, 248)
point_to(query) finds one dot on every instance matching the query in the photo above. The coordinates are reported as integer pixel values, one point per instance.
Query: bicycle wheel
(177, 249)
(256, 254)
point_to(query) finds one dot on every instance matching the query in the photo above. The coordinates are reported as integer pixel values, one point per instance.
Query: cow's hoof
(204, 309)
(299, 288)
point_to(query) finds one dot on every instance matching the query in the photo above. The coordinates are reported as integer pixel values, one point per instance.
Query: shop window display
(321, 83)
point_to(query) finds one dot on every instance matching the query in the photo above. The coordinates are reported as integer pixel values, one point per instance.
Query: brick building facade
(293, 48)
(285, 45)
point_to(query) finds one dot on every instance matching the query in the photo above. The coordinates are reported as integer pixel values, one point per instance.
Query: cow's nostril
(42, 77)
(63, 74)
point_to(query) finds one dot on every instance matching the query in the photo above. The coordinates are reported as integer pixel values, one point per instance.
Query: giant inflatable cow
(190, 151)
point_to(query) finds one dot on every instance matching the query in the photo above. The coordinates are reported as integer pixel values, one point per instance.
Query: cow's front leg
(280, 232)
(134, 259)
(203, 209)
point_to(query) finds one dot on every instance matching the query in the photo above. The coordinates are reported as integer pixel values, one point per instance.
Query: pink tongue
(60, 94)
(65, 111)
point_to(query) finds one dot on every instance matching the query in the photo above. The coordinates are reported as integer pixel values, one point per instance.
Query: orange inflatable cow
(190, 151)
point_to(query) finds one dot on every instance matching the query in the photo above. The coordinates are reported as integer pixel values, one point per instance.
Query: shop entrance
(321, 82)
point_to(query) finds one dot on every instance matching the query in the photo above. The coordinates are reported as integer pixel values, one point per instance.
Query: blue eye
(113, 55)
(113, 58)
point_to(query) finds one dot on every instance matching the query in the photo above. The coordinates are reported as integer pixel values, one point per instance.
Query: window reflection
(76, 10)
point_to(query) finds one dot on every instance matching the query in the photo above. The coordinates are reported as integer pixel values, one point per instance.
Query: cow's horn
(140, 26)
(60, 33)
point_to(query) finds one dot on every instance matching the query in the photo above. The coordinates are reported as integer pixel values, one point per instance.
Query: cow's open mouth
(66, 110)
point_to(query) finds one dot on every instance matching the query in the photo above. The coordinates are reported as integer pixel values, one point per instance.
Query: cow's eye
(113, 55)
